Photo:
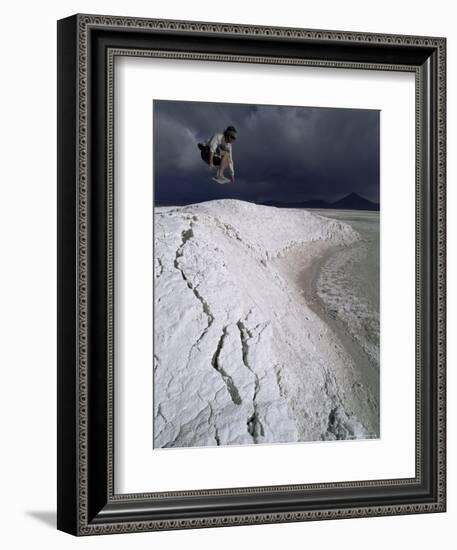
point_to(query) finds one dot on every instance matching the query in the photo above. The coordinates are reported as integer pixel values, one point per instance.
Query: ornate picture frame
(87, 500)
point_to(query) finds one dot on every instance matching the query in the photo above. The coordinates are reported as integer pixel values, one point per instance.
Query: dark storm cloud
(282, 153)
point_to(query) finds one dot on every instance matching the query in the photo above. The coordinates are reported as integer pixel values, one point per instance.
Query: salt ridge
(239, 357)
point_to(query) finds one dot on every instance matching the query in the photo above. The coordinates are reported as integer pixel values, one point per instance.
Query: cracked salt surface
(239, 355)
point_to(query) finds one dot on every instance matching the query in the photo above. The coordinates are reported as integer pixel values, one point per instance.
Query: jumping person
(217, 151)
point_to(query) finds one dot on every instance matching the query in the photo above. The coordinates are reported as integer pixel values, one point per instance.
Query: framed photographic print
(251, 274)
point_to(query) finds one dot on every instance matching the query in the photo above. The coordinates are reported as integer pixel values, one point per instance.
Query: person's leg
(224, 163)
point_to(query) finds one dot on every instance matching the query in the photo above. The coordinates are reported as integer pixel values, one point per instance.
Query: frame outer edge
(67, 453)
(253, 31)
(83, 22)
(441, 265)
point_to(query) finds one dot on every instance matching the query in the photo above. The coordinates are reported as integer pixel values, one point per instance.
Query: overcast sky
(282, 153)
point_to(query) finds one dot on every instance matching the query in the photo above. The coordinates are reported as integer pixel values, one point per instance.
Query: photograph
(266, 291)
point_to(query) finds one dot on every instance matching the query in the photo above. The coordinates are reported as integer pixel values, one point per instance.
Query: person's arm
(213, 144)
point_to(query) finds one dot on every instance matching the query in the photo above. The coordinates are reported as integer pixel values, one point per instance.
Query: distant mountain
(350, 202)
(355, 202)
